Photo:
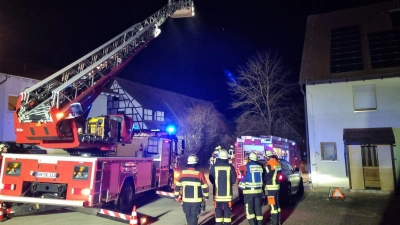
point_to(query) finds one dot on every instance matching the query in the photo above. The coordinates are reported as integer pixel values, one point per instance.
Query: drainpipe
(307, 139)
(4, 80)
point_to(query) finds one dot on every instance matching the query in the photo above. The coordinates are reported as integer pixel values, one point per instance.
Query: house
(350, 78)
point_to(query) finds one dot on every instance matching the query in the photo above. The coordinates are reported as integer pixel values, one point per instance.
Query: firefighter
(252, 185)
(272, 186)
(3, 148)
(194, 187)
(222, 176)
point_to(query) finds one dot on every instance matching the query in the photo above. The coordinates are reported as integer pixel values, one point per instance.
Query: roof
(24, 69)
(361, 136)
(155, 98)
(316, 59)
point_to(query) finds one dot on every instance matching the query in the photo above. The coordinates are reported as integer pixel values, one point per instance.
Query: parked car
(16, 148)
(291, 182)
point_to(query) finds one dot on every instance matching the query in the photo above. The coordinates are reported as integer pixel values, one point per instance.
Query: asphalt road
(157, 210)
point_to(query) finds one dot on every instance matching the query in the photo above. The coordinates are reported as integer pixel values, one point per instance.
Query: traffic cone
(1, 211)
(134, 218)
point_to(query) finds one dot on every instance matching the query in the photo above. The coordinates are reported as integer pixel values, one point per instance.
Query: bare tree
(262, 93)
(201, 126)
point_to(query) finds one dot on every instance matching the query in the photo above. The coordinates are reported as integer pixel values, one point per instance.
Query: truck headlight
(13, 168)
(81, 172)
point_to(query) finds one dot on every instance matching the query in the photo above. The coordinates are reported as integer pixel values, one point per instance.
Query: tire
(286, 194)
(125, 200)
(300, 191)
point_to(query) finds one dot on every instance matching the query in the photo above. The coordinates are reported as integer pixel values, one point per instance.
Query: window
(369, 156)
(364, 98)
(152, 147)
(148, 114)
(328, 151)
(395, 18)
(159, 116)
(12, 102)
(384, 48)
(346, 54)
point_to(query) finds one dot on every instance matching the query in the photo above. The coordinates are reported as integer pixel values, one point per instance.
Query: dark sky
(192, 56)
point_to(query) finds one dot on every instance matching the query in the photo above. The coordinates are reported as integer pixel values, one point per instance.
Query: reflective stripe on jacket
(272, 169)
(252, 181)
(222, 176)
(193, 185)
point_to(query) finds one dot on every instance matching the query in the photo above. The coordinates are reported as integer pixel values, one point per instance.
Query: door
(292, 175)
(370, 164)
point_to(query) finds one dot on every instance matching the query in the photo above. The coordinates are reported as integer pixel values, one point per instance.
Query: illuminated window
(364, 98)
(159, 116)
(12, 102)
(328, 151)
(148, 114)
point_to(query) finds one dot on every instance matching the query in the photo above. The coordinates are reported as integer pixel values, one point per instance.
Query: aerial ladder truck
(52, 114)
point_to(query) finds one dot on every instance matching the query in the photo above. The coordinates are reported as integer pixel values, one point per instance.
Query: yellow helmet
(253, 156)
(218, 147)
(223, 154)
(269, 153)
(192, 159)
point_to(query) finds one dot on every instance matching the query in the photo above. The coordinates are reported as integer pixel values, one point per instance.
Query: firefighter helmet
(218, 148)
(192, 159)
(215, 153)
(253, 156)
(2, 146)
(223, 154)
(231, 146)
(269, 154)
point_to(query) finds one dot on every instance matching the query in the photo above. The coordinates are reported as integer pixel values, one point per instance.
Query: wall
(99, 106)
(330, 110)
(13, 86)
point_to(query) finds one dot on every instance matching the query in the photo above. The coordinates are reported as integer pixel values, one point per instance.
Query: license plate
(46, 175)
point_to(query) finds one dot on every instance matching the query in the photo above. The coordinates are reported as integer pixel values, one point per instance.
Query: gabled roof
(155, 98)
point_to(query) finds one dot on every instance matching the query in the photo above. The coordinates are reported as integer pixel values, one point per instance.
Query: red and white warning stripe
(168, 194)
(115, 214)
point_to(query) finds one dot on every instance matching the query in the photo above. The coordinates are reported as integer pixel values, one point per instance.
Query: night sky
(192, 56)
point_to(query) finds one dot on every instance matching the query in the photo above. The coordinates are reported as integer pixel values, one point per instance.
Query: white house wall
(99, 106)
(13, 86)
(330, 110)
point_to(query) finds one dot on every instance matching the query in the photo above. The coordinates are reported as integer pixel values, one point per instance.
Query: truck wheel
(125, 200)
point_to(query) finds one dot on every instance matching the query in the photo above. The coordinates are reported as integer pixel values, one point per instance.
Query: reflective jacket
(252, 182)
(193, 185)
(222, 176)
(272, 171)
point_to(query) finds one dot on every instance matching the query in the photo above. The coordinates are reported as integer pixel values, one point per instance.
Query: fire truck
(281, 147)
(108, 162)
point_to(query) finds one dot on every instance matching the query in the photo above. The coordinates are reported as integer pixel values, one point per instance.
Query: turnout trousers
(192, 211)
(222, 213)
(275, 207)
(252, 204)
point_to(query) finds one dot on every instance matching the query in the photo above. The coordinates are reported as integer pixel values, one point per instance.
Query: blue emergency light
(171, 129)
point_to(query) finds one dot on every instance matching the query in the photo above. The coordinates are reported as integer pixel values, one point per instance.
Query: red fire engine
(52, 114)
(283, 148)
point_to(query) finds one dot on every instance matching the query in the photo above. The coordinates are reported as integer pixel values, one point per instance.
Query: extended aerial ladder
(53, 112)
